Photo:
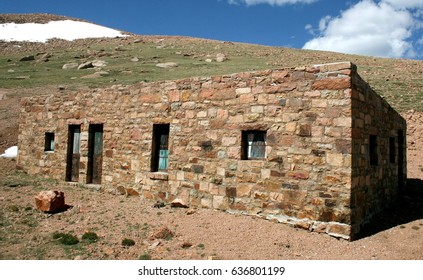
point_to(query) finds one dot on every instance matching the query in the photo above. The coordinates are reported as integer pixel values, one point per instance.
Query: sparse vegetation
(145, 256)
(128, 242)
(90, 237)
(66, 238)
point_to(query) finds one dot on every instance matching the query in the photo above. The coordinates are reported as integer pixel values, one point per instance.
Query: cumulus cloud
(380, 29)
(271, 2)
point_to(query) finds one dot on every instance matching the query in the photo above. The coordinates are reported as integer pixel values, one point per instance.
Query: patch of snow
(11, 152)
(63, 29)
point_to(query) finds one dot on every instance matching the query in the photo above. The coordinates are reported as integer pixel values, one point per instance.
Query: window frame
(253, 144)
(160, 148)
(49, 142)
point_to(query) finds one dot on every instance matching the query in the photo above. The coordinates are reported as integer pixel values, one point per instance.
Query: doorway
(95, 154)
(73, 153)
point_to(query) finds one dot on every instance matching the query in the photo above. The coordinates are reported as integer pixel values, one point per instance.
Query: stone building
(314, 147)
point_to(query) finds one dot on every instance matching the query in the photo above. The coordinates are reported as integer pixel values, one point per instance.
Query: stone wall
(311, 167)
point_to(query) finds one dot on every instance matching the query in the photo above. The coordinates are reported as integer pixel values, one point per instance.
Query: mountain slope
(134, 58)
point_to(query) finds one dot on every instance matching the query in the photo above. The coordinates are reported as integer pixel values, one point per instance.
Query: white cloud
(405, 4)
(271, 2)
(369, 28)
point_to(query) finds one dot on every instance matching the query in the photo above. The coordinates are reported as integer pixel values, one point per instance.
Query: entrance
(73, 153)
(95, 154)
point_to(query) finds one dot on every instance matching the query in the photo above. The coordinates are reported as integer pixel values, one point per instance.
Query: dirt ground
(26, 233)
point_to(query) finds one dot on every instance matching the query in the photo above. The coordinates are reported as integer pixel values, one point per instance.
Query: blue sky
(385, 28)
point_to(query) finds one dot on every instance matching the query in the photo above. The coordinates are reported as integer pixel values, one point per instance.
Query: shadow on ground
(408, 208)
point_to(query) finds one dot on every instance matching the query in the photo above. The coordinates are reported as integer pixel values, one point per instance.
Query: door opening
(95, 154)
(73, 153)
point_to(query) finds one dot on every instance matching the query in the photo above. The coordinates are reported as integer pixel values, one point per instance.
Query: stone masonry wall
(305, 178)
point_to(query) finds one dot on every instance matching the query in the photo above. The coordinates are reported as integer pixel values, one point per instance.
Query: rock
(159, 204)
(86, 65)
(132, 192)
(154, 245)
(220, 57)
(178, 203)
(190, 212)
(22, 77)
(27, 58)
(50, 201)
(167, 65)
(186, 245)
(99, 63)
(121, 190)
(162, 233)
(135, 59)
(209, 60)
(71, 65)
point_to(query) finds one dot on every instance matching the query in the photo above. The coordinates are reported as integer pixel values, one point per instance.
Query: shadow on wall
(408, 208)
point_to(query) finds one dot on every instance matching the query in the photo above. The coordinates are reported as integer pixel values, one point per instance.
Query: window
(253, 144)
(373, 153)
(49, 142)
(160, 150)
(392, 149)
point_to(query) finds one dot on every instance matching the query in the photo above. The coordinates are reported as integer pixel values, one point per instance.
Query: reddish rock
(50, 201)
(132, 192)
(332, 84)
(162, 233)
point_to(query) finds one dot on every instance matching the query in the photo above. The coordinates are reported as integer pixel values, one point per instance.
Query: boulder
(220, 57)
(71, 65)
(167, 65)
(99, 63)
(50, 201)
(86, 65)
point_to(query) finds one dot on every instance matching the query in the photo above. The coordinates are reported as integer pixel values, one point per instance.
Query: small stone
(50, 201)
(132, 192)
(135, 59)
(154, 245)
(162, 233)
(186, 245)
(178, 203)
(209, 60)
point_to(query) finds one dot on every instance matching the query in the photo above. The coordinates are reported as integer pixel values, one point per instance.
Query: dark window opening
(373, 153)
(49, 142)
(253, 145)
(160, 148)
(392, 149)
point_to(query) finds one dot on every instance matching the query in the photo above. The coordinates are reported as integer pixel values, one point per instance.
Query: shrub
(66, 238)
(90, 237)
(145, 256)
(128, 242)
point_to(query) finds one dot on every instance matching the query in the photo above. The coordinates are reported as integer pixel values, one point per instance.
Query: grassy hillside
(399, 81)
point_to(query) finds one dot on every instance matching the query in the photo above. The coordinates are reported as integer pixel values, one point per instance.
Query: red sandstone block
(332, 84)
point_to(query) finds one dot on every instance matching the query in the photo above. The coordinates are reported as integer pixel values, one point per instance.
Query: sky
(382, 28)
